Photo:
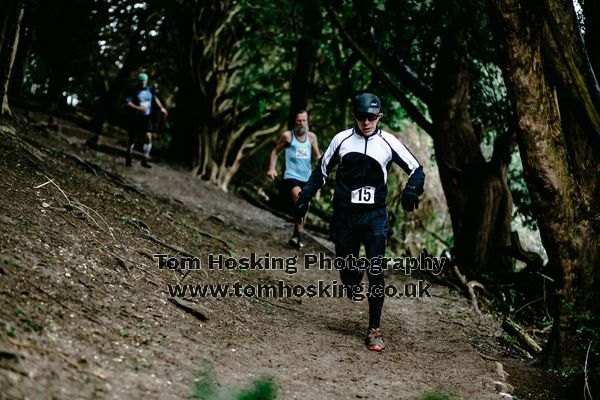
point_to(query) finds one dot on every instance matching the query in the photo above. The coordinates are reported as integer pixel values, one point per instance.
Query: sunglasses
(365, 116)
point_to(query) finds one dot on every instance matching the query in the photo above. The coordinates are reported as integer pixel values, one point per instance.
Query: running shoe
(296, 242)
(375, 340)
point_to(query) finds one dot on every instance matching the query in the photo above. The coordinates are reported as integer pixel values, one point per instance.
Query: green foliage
(587, 328)
(10, 330)
(205, 388)
(509, 340)
(31, 326)
(13, 262)
(162, 142)
(262, 389)
(566, 373)
(204, 385)
(435, 396)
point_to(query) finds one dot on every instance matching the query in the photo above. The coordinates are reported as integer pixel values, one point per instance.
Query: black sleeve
(408, 162)
(318, 177)
(315, 182)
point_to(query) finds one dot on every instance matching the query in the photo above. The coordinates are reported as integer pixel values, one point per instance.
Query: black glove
(410, 198)
(301, 209)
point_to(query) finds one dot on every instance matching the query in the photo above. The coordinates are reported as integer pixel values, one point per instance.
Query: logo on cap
(366, 102)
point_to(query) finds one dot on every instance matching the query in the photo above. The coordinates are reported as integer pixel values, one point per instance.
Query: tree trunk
(23, 50)
(186, 121)
(10, 42)
(582, 147)
(215, 122)
(569, 224)
(477, 191)
(200, 25)
(306, 52)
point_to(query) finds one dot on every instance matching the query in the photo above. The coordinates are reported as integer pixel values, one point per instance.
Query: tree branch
(410, 108)
(405, 73)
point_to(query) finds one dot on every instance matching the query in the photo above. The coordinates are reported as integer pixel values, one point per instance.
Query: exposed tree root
(470, 287)
(81, 207)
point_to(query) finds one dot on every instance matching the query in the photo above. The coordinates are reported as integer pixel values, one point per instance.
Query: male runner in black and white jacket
(364, 155)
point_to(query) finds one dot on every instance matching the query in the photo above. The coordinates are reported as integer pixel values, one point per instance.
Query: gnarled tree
(225, 108)
(555, 96)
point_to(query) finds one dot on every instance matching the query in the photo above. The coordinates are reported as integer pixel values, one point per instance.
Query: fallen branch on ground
(195, 309)
(513, 329)
(173, 247)
(486, 357)
(124, 264)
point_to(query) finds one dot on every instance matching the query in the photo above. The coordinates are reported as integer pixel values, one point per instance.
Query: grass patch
(205, 388)
(435, 396)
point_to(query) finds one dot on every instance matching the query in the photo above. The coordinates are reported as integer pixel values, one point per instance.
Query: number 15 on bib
(363, 195)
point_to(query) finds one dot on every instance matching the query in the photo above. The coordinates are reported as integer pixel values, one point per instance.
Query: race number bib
(363, 195)
(302, 153)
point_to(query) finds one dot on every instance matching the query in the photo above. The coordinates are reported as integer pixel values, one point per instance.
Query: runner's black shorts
(139, 125)
(288, 184)
(350, 228)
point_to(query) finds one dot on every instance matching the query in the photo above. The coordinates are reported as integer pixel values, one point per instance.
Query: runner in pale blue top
(300, 149)
(297, 159)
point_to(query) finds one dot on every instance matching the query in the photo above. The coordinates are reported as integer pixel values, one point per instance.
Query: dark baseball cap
(366, 103)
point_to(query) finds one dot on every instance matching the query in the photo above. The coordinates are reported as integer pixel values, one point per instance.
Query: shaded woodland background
(499, 99)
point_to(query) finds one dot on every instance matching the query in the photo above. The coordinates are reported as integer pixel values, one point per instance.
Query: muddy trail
(86, 312)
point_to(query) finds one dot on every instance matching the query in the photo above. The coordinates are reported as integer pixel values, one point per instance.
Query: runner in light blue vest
(297, 159)
(300, 149)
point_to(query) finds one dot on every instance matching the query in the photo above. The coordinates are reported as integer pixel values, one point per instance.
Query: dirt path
(317, 350)
(85, 312)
